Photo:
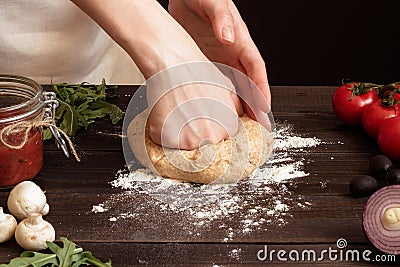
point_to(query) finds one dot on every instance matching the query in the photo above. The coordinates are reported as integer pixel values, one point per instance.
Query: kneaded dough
(226, 162)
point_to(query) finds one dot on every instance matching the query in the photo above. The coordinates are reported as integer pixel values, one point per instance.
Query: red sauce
(17, 165)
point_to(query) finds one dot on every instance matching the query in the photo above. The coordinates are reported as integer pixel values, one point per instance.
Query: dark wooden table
(162, 238)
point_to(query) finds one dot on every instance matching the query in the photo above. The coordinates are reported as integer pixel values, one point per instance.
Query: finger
(238, 104)
(256, 70)
(221, 18)
(252, 99)
(248, 110)
(257, 115)
(243, 85)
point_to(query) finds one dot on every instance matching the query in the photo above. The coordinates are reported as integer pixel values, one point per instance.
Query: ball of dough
(226, 162)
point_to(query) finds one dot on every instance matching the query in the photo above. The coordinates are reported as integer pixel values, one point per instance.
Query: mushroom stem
(391, 217)
(34, 219)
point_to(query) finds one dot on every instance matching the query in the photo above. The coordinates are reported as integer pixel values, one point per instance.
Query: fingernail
(227, 34)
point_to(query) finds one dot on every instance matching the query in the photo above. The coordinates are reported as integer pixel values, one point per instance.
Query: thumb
(221, 19)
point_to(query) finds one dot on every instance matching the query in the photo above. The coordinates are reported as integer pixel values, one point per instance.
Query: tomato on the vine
(390, 89)
(389, 138)
(350, 100)
(380, 111)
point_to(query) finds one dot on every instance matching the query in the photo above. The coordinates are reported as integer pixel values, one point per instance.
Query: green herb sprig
(80, 105)
(67, 256)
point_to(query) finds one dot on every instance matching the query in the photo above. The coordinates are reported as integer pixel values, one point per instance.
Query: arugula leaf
(68, 256)
(88, 259)
(30, 258)
(80, 105)
(68, 118)
(115, 114)
(63, 254)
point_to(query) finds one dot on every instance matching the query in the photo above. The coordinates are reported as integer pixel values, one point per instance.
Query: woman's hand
(219, 31)
(155, 41)
(193, 115)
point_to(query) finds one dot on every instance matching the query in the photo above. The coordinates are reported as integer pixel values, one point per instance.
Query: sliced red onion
(381, 219)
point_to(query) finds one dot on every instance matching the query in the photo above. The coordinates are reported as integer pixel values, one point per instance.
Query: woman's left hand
(221, 34)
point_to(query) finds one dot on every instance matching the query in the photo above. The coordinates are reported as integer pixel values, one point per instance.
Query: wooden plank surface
(156, 236)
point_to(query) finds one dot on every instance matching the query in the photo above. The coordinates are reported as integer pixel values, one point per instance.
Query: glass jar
(22, 103)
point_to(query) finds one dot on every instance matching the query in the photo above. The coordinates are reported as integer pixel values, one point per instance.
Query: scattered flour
(99, 208)
(237, 210)
(235, 253)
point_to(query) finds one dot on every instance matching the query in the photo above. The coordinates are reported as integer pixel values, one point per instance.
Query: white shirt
(54, 41)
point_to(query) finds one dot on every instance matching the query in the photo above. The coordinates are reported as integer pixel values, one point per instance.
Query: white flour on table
(268, 204)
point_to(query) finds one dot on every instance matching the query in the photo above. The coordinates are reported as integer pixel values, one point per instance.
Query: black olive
(380, 165)
(363, 186)
(393, 177)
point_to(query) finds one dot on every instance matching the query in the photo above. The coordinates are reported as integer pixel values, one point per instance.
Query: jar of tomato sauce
(23, 104)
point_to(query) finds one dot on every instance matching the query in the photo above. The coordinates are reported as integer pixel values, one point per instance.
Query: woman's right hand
(192, 115)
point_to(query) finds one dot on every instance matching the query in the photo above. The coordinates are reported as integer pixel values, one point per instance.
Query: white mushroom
(33, 232)
(7, 226)
(26, 198)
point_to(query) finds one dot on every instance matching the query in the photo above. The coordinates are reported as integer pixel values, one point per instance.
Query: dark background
(317, 42)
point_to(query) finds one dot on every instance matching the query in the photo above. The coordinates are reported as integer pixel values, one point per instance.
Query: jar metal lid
(29, 92)
(31, 101)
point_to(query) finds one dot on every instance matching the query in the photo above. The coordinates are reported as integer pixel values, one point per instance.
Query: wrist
(152, 38)
(156, 41)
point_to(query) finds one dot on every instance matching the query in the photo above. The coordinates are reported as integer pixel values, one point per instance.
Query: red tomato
(389, 138)
(396, 96)
(375, 114)
(350, 100)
